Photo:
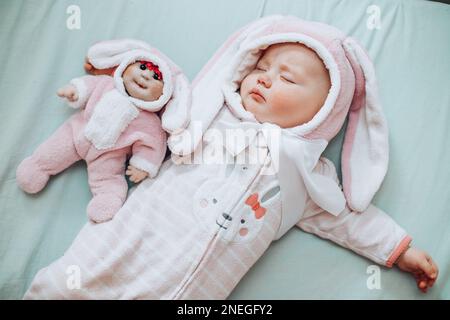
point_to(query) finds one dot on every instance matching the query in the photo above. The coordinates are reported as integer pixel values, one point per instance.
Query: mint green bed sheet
(411, 51)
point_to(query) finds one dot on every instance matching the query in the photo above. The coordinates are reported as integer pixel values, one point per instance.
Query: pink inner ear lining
(356, 107)
(360, 89)
(347, 149)
(333, 122)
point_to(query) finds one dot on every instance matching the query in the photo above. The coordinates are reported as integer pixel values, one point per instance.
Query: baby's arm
(148, 153)
(371, 233)
(78, 91)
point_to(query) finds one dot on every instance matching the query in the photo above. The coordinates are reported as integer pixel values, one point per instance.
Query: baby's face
(287, 87)
(142, 83)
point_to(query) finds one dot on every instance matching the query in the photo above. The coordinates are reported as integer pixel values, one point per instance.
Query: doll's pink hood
(176, 96)
(353, 92)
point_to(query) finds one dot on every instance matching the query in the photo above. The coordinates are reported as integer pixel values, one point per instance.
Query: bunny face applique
(249, 216)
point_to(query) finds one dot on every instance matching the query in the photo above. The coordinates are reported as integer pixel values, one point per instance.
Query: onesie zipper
(211, 243)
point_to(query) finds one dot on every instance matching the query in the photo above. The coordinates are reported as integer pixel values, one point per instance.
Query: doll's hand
(135, 174)
(69, 92)
(422, 267)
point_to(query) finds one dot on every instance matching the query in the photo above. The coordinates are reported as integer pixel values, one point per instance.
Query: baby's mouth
(256, 95)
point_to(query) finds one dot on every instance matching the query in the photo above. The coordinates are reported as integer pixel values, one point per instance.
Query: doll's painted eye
(156, 77)
(242, 221)
(143, 67)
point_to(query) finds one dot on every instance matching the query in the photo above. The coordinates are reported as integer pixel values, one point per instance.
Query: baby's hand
(135, 174)
(422, 267)
(69, 92)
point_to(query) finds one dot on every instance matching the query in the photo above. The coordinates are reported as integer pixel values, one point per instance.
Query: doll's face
(142, 83)
(287, 87)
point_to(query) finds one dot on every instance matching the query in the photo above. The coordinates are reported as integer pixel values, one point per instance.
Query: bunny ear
(109, 53)
(207, 96)
(365, 152)
(176, 113)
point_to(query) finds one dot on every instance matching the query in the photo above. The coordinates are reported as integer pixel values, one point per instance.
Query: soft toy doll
(117, 119)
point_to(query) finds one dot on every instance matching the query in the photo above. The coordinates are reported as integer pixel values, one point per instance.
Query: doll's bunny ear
(175, 116)
(365, 152)
(176, 113)
(207, 96)
(109, 53)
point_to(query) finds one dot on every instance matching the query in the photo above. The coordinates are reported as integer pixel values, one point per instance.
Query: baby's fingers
(427, 267)
(422, 284)
(431, 282)
(434, 267)
(421, 281)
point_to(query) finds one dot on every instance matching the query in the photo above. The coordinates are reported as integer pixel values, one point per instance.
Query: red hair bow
(152, 67)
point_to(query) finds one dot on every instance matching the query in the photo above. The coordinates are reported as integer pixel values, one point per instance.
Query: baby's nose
(264, 80)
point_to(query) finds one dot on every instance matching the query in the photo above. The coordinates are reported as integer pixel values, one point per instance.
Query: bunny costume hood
(117, 109)
(353, 91)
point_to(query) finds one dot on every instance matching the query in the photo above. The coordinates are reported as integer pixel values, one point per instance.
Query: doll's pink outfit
(110, 127)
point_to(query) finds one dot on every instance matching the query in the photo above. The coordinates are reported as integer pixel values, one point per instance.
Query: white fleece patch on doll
(111, 116)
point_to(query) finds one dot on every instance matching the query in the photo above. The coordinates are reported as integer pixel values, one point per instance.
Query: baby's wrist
(402, 255)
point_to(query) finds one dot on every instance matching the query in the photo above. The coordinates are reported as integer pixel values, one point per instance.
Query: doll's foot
(103, 207)
(30, 177)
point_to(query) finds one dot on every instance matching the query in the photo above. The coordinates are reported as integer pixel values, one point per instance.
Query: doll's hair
(152, 67)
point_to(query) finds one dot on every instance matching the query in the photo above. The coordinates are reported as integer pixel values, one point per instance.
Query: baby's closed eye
(288, 79)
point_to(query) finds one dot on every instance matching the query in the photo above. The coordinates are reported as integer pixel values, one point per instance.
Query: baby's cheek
(248, 83)
(284, 102)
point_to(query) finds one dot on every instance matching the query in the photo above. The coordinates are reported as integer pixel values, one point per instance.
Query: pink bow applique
(253, 202)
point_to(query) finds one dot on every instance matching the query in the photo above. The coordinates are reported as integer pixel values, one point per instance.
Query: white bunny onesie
(194, 232)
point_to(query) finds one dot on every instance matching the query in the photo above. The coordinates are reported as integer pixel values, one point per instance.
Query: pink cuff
(404, 244)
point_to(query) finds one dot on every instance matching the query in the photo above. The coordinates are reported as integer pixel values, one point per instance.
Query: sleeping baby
(193, 232)
(289, 75)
